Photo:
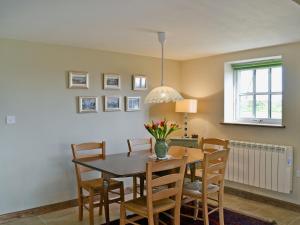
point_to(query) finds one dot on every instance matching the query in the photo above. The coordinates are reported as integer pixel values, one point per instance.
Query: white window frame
(231, 95)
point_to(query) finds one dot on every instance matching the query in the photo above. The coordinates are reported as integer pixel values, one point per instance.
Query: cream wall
(203, 79)
(35, 158)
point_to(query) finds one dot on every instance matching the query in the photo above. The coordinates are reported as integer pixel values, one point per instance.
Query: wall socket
(298, 173)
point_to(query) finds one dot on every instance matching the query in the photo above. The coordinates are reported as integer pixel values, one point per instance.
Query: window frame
(232, 93)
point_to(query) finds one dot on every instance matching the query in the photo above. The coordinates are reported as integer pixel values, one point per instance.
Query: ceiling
(194, 28)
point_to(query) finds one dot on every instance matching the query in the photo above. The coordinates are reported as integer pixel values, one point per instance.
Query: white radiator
(261, 165)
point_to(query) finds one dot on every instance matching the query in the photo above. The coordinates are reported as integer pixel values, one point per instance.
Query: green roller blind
(257, 64)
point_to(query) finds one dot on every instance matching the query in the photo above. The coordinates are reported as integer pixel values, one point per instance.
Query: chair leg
(205, 210)
(100, 205)
(196, 210)
(156, 219)
(122, 214)
(176, 215)
(134, 187)
(80, 204)
(151, 220)
(122, 194)
(221, 210)
(91, 206)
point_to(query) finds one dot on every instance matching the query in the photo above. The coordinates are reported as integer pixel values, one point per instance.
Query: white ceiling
(195, 28)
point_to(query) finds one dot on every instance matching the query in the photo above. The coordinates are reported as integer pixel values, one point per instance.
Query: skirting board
(72, 203)
(263, 199)
(44, 209)
(38, 210)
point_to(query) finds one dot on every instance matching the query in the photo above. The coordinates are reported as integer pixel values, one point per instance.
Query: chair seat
(139, 205)
(195, 188)
(97, 184)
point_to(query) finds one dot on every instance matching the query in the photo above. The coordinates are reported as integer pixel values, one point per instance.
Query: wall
(203, 79)
(36, 167)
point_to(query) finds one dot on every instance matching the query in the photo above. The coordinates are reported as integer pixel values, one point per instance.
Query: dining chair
(214, 165)
(158, 199)
(94, 187)
(138, 144)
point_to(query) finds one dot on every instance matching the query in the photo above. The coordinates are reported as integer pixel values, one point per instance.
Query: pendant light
(162, 94)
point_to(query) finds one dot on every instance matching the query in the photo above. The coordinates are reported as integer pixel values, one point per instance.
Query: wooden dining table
(134, 164)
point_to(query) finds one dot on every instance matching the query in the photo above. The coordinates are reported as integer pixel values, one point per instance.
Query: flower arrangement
(160, 130)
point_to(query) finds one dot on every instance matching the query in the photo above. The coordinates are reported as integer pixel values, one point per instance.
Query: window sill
(254, 124)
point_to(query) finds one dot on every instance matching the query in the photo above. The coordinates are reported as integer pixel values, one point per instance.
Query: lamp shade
(163, 94)
(186, 106)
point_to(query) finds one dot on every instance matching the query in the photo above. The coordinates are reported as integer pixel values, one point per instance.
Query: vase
(161, 149)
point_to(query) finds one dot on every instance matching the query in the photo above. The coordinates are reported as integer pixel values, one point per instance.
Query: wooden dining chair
(214, 165)
(158, 199)
(138, 144)
(94, 187)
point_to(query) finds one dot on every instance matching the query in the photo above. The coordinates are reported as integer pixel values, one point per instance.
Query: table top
(134, 163)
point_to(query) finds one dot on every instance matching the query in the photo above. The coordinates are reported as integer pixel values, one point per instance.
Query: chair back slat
(213, 144)
(166, 165)
(164, 193)
(216, 167)
(164, 180)
(89, 146)
(138, 144)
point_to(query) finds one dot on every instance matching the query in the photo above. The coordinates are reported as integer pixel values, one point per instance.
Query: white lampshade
(186, 106)
(163, 94)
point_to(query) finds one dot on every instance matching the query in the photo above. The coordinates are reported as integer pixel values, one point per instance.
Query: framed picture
(88, 104)
(139, 82)
(112, 103)
(78, 79)
(133, 103)
(111, 81)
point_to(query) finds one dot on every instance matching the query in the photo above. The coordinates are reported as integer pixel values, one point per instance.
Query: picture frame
(88, 104)
(133, 103)
(111, 81)
(78, 79)
(139, 82)
(112, 103)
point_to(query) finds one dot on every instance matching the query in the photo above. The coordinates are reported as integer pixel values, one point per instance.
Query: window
(256, 92)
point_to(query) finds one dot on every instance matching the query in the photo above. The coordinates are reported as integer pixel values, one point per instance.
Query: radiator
(261, 165)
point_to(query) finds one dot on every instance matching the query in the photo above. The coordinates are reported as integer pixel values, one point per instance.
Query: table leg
(106, 198)
(142, 185)
(193, 171)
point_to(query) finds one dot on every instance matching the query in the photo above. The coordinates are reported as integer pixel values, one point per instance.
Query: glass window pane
(276, 103)
(262, 80)
(246, 106)
(137, 81)
(277, 79)
(262, 106)
(245, 81)
(143, 82)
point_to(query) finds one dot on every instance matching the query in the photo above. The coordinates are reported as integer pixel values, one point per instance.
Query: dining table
(131, 164)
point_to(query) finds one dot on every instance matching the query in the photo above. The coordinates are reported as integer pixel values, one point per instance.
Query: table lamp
(186, 106)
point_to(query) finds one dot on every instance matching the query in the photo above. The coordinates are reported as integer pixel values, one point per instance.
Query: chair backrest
(168, 184)
(213, 144)
(87, 152)
(137, 144)
(214, 165)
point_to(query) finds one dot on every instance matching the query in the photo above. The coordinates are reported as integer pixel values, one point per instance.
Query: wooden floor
(69, 216)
